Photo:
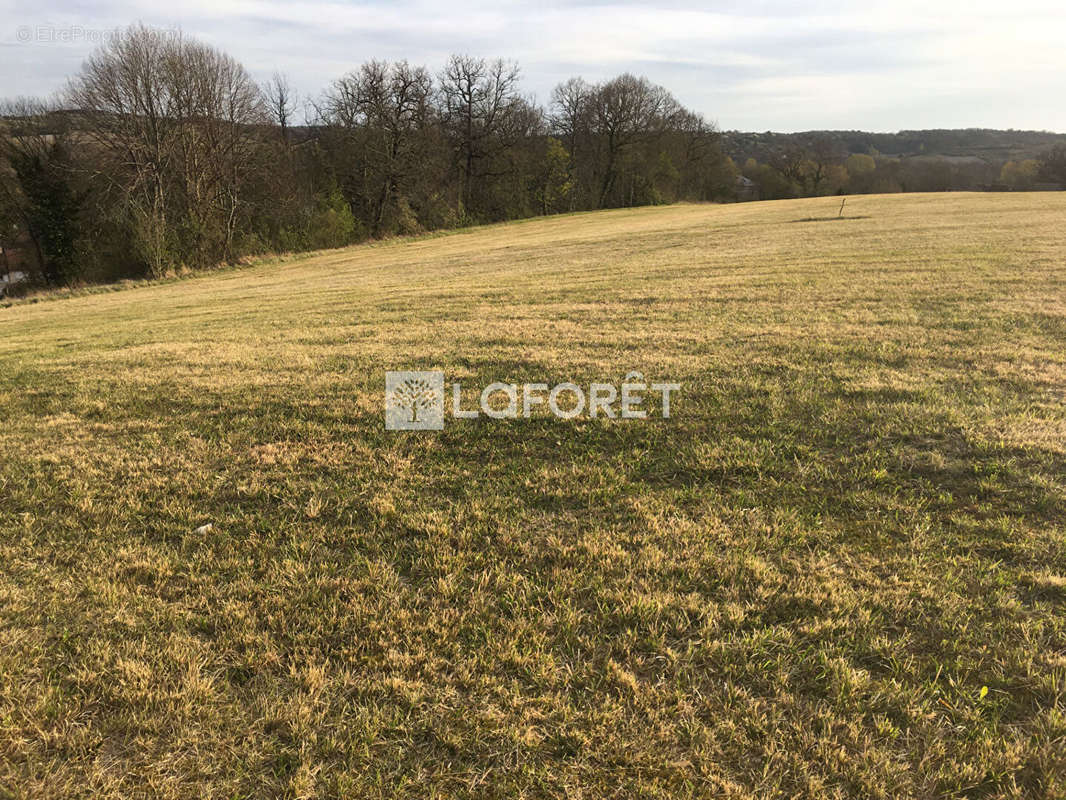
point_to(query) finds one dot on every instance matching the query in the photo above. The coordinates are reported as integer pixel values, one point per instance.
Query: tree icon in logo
(414, 401)
(415, 394)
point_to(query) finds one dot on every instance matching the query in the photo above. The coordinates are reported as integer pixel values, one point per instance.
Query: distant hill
(991, 146)
(958, 146)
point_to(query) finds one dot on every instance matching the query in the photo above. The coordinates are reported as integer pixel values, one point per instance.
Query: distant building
(13, 265)
(15, 261)
(746, 189)
(10, 279)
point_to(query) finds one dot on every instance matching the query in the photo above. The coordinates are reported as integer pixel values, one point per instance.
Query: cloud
(755, 65)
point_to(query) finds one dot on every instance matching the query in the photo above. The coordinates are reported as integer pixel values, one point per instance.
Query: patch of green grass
(797, 586)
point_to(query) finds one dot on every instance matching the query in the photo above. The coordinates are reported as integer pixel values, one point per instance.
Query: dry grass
(796, 587)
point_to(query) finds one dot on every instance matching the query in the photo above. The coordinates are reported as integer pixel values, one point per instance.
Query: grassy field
(839, 569)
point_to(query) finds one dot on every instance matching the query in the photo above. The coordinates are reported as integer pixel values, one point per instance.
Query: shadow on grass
(830, 219)
(874, 466)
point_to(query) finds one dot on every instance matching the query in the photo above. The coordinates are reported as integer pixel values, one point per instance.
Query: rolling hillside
(837, 570)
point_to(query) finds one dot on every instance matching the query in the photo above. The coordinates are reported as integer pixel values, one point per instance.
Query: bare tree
(807, 164)
(823, 154)
(790, 162)
(128, 114)
(384, 112)
(174, 115)
(570, 102)
(625, 111)
(483, 114)
(569, 120)
(704, 170)
(281, 102)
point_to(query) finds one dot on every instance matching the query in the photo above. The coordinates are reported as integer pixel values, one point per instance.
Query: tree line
(164, 153)
(811, 165)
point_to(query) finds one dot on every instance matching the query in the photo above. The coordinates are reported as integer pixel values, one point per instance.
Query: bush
(333, 224)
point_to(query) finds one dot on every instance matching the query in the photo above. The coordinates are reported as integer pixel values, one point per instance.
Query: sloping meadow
(837, 569)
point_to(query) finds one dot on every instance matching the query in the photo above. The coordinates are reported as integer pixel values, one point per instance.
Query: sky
(751, 65)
